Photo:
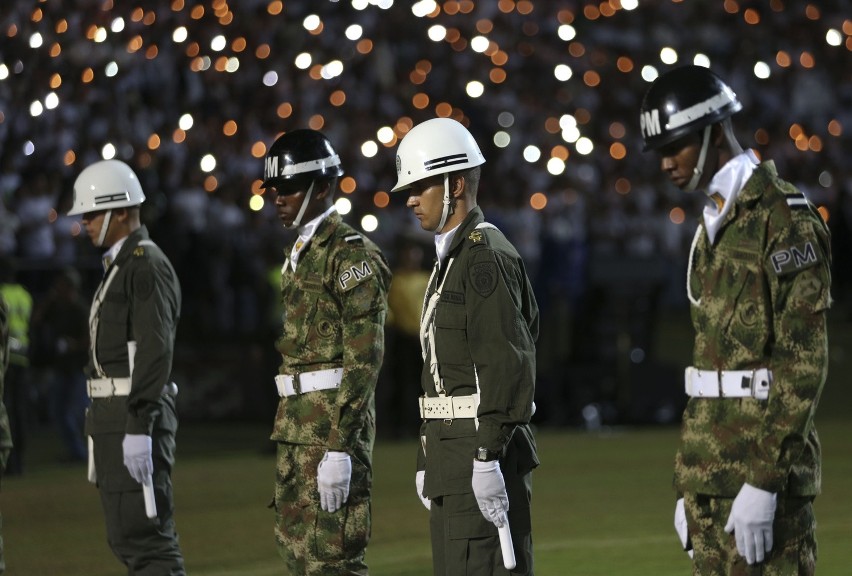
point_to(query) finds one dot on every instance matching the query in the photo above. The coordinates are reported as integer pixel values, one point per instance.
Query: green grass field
(602, 502)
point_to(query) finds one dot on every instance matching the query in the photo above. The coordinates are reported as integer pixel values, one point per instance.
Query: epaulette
(796, 200)
(354, 238)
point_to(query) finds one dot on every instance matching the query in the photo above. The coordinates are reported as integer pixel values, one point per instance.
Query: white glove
(137, 456)
(490, 491)
(751, 520)
(419, 479)
(680, 526)
(333, 475)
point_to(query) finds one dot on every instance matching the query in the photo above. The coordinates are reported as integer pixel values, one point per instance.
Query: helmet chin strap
(298, 220)
(445, 213)
(104, 228)
(702, 158)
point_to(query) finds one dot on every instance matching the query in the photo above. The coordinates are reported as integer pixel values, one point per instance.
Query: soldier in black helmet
(748, 467)
(334, 285)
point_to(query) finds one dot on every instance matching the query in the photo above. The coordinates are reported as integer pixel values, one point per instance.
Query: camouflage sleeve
(362, 282)
(154, 309)
(501, 346)
(797, 268)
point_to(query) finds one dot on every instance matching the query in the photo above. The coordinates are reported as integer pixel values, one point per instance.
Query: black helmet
(682, 101)
(300, 153)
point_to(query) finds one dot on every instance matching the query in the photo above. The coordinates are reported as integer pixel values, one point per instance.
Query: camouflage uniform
(5, 432)
(760, 297)
(142, 303)
(486, 324)
(335, 305)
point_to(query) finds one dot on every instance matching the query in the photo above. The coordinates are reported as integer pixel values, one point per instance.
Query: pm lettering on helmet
(354, 275)
(270, 167)
(794, 258)
(650, 123)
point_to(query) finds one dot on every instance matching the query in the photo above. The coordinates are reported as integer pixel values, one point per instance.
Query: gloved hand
(490, 491)
(419, 479)
(333, 475)
(680, 527)
(751, 520)
(137, 456)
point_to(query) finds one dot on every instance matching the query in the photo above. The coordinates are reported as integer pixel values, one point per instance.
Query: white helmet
(105, 185)
(436, 146)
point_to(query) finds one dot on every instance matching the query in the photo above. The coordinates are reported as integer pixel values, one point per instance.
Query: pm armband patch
(794, 258)
(483, 278)
(354, 275)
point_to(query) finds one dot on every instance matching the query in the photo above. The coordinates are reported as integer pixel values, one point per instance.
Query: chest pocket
(744, 290)
(115, 310)
(451, 334)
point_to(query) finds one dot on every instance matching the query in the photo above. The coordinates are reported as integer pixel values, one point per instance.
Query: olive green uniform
(142, 304)
(5, 431)
(334, 304)
(759, 300)
(486, 324)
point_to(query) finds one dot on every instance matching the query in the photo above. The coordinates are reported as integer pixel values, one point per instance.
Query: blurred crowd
(605, 240)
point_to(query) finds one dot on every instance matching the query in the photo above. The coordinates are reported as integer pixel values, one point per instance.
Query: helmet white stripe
(444, 162)
(700, 110)
(309, 166)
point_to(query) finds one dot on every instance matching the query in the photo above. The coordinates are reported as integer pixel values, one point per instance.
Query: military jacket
(486, 325)
(759, 300)
(334, 310)
(5, 430)
(141, 303)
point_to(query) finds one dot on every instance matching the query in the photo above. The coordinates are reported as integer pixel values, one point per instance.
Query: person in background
(5, 431)
(758, 282)
(334, 286)
(132, 420)
(478, 331)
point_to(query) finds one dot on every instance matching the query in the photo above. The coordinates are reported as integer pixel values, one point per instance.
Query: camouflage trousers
(794, 549)
(313, 542)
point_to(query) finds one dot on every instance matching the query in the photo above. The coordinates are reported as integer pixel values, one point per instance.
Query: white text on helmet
(650, 123)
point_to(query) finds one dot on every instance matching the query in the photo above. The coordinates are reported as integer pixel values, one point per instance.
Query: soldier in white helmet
(132, 419)
(478, 331)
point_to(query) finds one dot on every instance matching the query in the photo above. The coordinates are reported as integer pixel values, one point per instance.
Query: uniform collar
(117, 251)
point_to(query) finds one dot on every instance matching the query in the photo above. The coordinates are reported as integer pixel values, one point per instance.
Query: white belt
(449, 407)
(292, 384)
(728, 383)
(108, 387)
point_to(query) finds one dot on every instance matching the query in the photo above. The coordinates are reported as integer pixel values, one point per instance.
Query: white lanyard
(427, 328)
(94, 315)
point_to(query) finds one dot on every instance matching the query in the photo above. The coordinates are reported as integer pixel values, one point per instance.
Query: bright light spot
(51, 101)
(354, 31)
(437, 33)
(208, 163)
(332, 69)
(36, 108)
(532, 153)
(108, 152)
(555, 166)
(312, 22)
(233, 64)
(825, 179)
(256, 202)
(100, 34)
(701, 60)
(369, 149)
(36, 40)
(185, 122)
(570, 133)
(218, 43)
(423, 8)
(761, 70)
(562, 72)
(668, 55)
(343, 205)
(303, 61)
(585, 146)
(566, 32)
(629, 4)
(383, 4)
(649, 73)
(360, 4)
(385, 134)
(475, 89)
(833, 37)
(567, 121)
(4, 71)
(111, 69)
(180, 34)
(117, 25)
(270, 78)
(502, 139)
(479, 44)
(505, 119)
(369, 223)
(29, 148)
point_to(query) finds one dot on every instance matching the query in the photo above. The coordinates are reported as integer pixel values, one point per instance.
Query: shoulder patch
(483, 277)
(354, 238)
(354, 275)
(796, 201)
(794, 258)
(144, 284)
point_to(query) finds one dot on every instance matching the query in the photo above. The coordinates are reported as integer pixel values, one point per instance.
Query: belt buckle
(747, 383)
(297, 384)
